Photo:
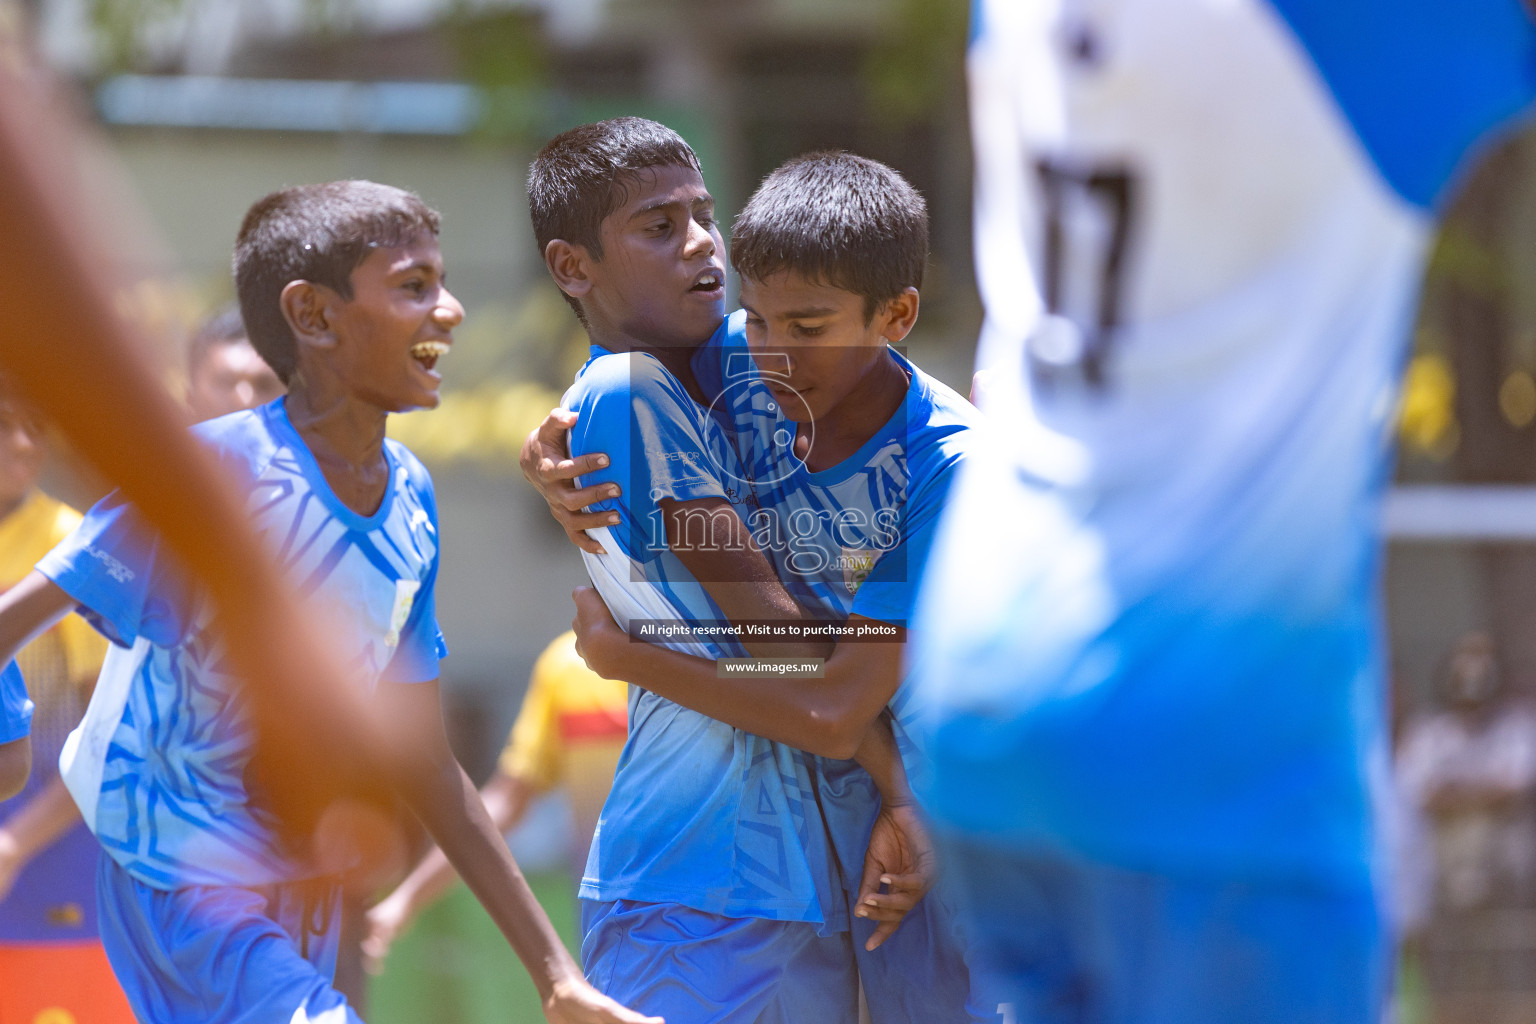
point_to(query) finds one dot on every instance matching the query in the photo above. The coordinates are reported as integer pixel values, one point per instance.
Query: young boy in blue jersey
(831, 251)
(206, 913)
(15, 732)
(711, 892)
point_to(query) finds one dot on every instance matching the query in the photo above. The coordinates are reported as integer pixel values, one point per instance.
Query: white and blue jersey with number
(157, 765)
(15, 706)
(700, 814)
(1151, 634)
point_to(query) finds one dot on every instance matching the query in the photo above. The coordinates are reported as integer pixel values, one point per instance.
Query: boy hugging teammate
(840, 453)
(206, 914)
(710, 891)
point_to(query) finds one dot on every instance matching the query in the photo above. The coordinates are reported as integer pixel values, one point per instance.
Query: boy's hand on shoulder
(546, 464)
(576, 1002)
(599, 640)
(900, 858)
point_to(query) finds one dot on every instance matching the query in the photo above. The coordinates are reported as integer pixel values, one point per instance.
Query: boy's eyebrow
(661, 204)
(421, 265)
(809, 313)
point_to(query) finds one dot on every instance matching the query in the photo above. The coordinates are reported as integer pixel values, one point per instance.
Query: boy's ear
(898, 315)
(570, 266)
(305, 306)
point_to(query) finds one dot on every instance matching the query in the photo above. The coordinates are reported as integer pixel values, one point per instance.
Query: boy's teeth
(428, 352)
(434, 349)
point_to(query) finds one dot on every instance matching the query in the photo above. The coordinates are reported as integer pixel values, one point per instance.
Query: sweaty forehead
(652, 187)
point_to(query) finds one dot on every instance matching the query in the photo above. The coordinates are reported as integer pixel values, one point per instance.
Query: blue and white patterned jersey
(1151, 634)
(852, 539)
(15, 706)
(157, 765)
(700, 814)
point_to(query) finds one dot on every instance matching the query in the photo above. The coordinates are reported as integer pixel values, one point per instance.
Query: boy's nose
(449, 311)
(700, 241)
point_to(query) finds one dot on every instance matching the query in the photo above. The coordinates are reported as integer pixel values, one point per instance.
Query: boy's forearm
(505, 800)
(451, 809)
(736, 574)
(27, 610)
(879, 756)
(826, 716)
(43, 820)
(15, 766)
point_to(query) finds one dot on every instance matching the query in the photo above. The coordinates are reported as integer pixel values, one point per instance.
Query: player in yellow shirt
(568, 734)
(52, 966)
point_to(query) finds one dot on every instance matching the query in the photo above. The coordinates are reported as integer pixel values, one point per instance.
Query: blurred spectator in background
(224, 373)
(1471, 769)
(569, 734)
(52, 966)
(1468, 769)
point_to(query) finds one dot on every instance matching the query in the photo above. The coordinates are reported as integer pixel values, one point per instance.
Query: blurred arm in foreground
(89, 377)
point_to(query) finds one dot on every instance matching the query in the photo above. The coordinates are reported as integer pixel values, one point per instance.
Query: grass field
(453, 966)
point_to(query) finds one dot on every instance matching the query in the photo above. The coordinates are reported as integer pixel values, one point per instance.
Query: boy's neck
(848, 426)
(677, 361)
(346, 438)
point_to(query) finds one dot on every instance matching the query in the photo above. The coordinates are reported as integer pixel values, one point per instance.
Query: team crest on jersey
(856, 564)
(405, 596)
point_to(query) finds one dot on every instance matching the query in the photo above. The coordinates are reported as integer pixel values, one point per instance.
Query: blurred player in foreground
(568, 735)
(206, 913)
(1154, 698)
(225, 373)
(51, 958)
(94, 383)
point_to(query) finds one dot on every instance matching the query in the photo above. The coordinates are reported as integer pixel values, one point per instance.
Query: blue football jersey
(700, 814)
(1151, 637)
(852, 539)
(157, 765)
(15, 705)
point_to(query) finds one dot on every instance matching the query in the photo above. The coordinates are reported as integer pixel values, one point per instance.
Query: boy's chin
(417, 403)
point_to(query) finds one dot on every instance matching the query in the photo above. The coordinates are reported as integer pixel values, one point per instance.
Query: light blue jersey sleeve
(15, 706)
(111, 565)
(630, 408)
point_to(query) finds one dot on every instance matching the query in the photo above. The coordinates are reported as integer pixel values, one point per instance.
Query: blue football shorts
(221, 954)
(696, 968)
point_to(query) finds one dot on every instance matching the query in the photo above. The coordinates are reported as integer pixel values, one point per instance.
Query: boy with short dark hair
(206, 913)
(850, 450)
(857, 390)
(711, 843)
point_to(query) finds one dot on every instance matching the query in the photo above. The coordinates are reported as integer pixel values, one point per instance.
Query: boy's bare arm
(15, 766)
(446, 802)
(26, 610)
(29, 609)
(34, 828)
(506, 798)
(827, 716)
(716, 547)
